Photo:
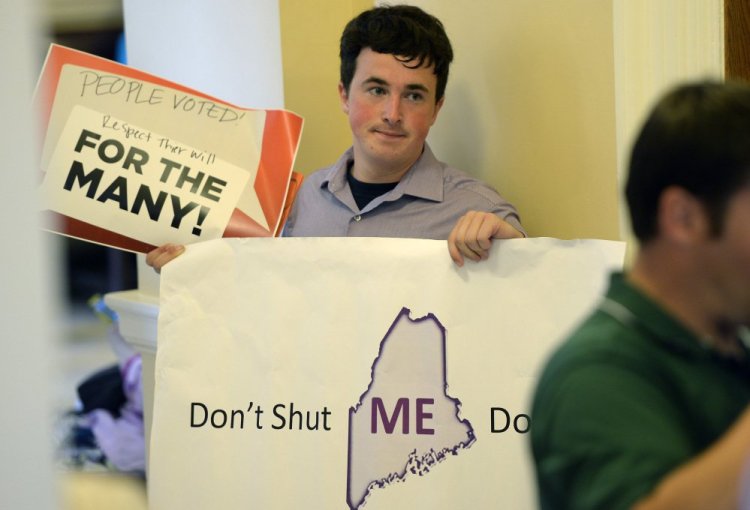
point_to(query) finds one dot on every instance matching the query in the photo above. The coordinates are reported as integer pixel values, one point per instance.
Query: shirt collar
(335, 178)
(423, 180)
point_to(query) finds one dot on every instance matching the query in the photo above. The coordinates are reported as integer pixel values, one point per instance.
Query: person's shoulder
(597, 342)
(316, 178)
(457, 180)
(321, 176)
(461, 184)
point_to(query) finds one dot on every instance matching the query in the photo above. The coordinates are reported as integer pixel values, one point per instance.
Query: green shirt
(629, 397)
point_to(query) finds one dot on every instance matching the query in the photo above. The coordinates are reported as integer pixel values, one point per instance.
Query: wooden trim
(737, 39)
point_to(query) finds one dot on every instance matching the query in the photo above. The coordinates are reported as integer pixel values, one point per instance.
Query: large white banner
(358, 373)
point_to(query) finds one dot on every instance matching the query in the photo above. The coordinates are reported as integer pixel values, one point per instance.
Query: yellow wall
(657, 45)
(530, 108)
(310, 32)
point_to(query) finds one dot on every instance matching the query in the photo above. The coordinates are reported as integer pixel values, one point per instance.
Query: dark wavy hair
(417, 38)
(697, 137)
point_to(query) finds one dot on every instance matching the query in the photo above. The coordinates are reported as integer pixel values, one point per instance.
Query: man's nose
(392, 109)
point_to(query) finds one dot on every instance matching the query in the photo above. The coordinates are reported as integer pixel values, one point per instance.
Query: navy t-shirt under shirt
(366, 192)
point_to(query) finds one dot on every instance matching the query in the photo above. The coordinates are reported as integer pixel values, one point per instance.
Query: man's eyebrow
(380, 81)
(375, 80)
(417, 86)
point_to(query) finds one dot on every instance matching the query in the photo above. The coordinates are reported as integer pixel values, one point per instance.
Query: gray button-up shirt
(426, 203)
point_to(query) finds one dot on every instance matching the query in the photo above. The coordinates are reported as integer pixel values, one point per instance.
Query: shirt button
(358, 217)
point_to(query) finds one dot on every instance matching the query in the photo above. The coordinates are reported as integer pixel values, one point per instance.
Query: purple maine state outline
(453, 429)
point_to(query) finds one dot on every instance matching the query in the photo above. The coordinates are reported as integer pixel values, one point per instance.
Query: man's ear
(344, 98)
(682, 217)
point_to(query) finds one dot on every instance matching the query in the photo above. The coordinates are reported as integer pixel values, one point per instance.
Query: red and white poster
(133, 161)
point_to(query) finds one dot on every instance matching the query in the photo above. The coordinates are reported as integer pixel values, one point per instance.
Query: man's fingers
(473, 234)
(453, 250)
(460, 237)
(479, 232)
(159, 257)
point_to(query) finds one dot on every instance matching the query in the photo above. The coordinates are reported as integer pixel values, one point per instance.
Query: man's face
(391, 109)
(728, 258)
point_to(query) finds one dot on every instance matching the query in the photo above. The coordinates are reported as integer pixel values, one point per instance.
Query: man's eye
(415, 96)
(377, 91)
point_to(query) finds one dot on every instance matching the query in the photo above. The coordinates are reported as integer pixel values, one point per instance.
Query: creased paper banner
(358, 373)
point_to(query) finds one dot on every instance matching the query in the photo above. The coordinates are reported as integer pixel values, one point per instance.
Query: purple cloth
(122, 439)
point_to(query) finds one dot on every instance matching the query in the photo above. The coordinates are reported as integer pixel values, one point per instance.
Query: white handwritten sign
(120, 176)
(133, 160)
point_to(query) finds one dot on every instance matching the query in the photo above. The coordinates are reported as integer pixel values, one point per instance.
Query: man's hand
(473, 234)
(160, 256)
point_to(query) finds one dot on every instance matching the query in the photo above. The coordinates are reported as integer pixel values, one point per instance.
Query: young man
(394, 68)
(646, 404)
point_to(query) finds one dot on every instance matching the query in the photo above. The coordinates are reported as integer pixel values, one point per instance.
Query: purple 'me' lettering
(402, 404)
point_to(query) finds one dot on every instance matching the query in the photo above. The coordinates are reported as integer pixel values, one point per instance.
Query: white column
(229, 49)
(29, 285)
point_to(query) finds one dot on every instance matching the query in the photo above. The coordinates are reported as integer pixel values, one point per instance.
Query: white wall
(230, 49)
(26, 282)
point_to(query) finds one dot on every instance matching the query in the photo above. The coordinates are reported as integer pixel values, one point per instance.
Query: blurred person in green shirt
(645, 406)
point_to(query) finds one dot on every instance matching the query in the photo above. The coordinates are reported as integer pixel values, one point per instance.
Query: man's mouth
(390, 133)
